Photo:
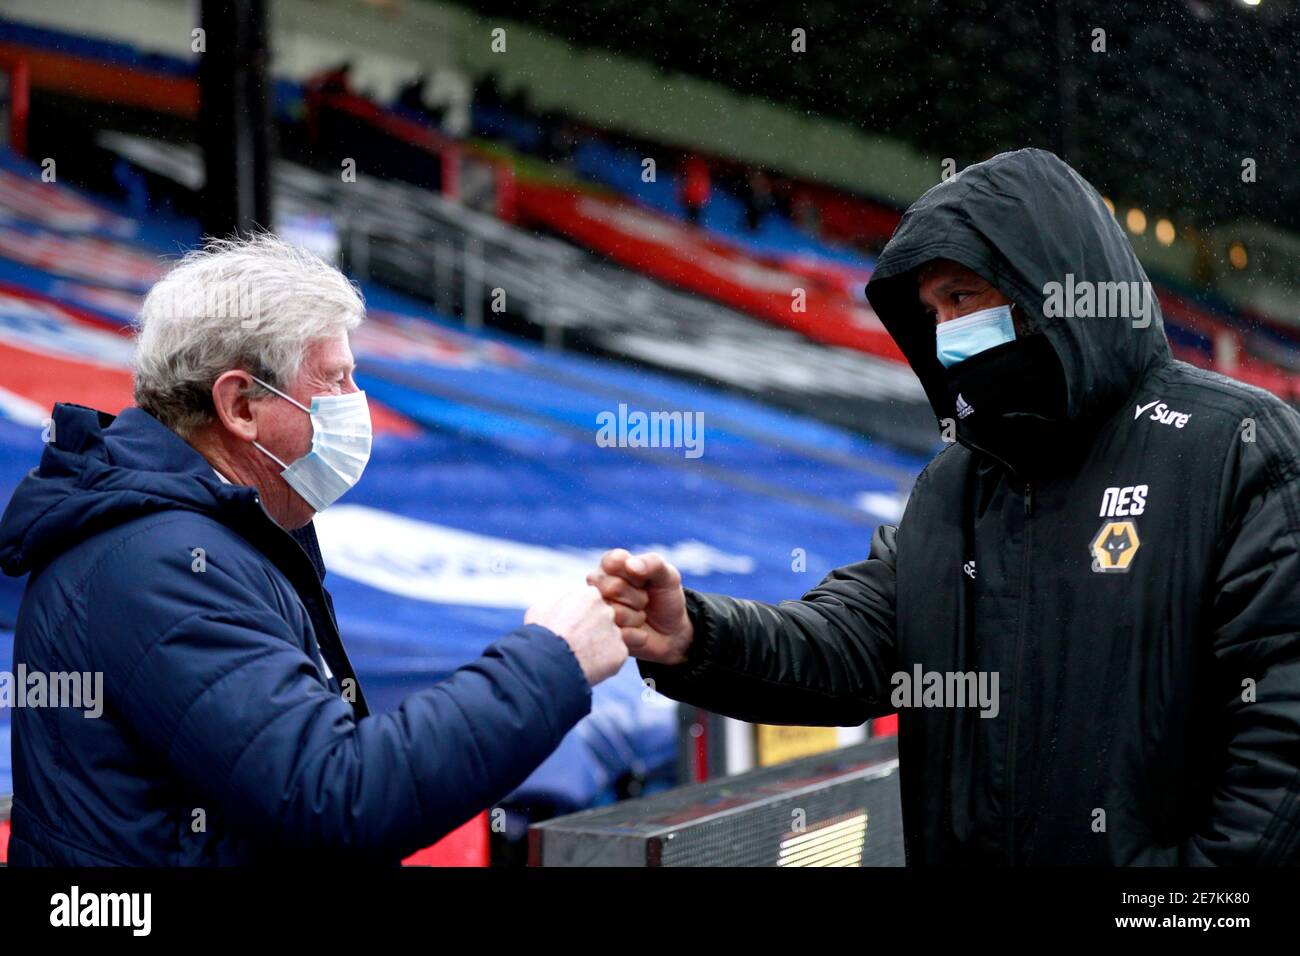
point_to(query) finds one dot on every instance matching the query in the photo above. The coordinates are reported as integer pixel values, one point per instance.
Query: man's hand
(645, 592)
(586, 623)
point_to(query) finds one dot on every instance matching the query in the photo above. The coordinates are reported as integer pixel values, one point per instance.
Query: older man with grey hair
(171, 550)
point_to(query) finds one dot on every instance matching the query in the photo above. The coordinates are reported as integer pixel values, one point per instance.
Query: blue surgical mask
(959, 339)
(340, 447)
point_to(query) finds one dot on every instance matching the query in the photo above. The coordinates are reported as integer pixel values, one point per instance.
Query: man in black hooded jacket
(1112, 533)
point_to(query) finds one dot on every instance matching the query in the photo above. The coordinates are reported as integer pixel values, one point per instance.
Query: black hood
(1022, 220)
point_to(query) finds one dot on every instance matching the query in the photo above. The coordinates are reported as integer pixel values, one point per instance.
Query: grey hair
(254, 303)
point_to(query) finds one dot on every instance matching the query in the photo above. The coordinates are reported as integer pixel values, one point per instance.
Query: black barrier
(839, 808)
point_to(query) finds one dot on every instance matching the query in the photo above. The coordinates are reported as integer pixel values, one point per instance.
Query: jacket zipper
(1015, 679)
(349, 672)
(1020, 630)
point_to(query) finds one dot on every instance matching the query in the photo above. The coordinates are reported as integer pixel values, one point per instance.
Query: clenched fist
(586, 622)
(645, 592)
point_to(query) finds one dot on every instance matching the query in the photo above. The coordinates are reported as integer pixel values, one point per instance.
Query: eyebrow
(935, 292)
(944, 287)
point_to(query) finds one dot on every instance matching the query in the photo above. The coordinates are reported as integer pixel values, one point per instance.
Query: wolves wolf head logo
(1114, 546)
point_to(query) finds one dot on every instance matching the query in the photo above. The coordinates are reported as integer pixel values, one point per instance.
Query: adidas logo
(964, 407)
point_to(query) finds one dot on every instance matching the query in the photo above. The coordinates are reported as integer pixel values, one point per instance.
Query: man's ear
(233, 407)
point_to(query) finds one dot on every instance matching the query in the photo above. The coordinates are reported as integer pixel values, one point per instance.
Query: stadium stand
(486, 489)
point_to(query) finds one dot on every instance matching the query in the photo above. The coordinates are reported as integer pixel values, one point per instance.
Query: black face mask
(1010, 401)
